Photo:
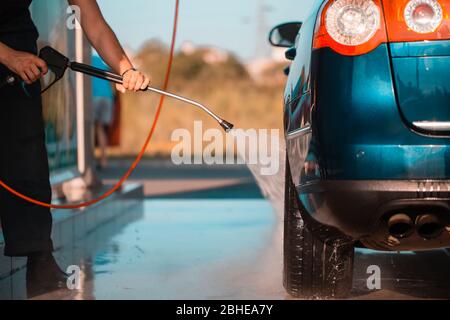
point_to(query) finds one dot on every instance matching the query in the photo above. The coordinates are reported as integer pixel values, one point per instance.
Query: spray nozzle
(58, 63)
(226, 125)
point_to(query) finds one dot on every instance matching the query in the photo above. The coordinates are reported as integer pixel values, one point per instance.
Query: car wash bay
(204, 233)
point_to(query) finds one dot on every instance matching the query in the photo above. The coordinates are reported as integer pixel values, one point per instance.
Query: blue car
(367, 125)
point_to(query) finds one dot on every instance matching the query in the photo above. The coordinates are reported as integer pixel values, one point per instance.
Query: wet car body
(368, 134)
(352, 119)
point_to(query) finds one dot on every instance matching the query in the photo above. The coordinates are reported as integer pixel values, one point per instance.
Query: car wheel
(318, 260)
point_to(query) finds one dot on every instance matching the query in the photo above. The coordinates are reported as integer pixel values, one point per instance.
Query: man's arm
(24, 64)
(103, 39)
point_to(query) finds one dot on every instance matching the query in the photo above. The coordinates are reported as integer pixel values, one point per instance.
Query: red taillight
(351, 27)
(355, 27)
(417, 20)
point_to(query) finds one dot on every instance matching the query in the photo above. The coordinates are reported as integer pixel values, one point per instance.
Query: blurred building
(268, 70)
(210, 55)
(67, 104)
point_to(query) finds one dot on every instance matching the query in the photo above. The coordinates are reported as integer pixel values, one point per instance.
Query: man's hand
(28, 66)
(133, 81)
(103, 39)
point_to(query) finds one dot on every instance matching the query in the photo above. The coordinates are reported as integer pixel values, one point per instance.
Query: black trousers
(24, 166)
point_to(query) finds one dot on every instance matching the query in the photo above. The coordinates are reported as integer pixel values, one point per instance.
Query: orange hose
(141, 153)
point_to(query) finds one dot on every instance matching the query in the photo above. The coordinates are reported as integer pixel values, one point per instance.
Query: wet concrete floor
(208, 233)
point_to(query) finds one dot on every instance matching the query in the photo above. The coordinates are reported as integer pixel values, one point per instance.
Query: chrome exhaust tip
(400, 226)
(429, 226)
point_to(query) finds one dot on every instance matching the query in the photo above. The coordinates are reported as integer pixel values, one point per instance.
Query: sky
(228, 24)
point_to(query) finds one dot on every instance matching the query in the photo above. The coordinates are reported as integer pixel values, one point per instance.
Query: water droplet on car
(360, 154)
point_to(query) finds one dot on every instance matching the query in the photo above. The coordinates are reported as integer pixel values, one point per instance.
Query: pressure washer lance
(58, 63)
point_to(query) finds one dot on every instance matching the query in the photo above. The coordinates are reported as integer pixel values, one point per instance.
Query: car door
(298, 102)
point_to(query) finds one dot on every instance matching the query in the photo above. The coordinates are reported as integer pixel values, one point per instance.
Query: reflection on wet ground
(409, 275)
(173, 254)
(222, 242)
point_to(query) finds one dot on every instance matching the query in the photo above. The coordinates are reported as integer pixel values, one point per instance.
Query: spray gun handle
(10, 80)
(99, 73)
(110, 76)
(58, 63)
(55, 61)
(96, 72)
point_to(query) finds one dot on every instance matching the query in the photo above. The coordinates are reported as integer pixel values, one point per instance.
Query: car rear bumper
(358, 129)
(361, 209)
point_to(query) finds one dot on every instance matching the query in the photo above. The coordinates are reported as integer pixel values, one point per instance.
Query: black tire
(318, 260)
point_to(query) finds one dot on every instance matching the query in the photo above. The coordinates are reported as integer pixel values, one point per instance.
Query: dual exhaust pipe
(428, 226)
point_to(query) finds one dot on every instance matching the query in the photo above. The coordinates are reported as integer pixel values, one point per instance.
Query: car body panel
(421, 73)
(360, 129)
(353, 150)
(359, 133)
(298, 98)
(420, 49)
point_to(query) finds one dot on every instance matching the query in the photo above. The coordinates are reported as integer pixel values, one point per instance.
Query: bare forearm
(101, 36)
(107, 45)
(5, 53)
(109, 48)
